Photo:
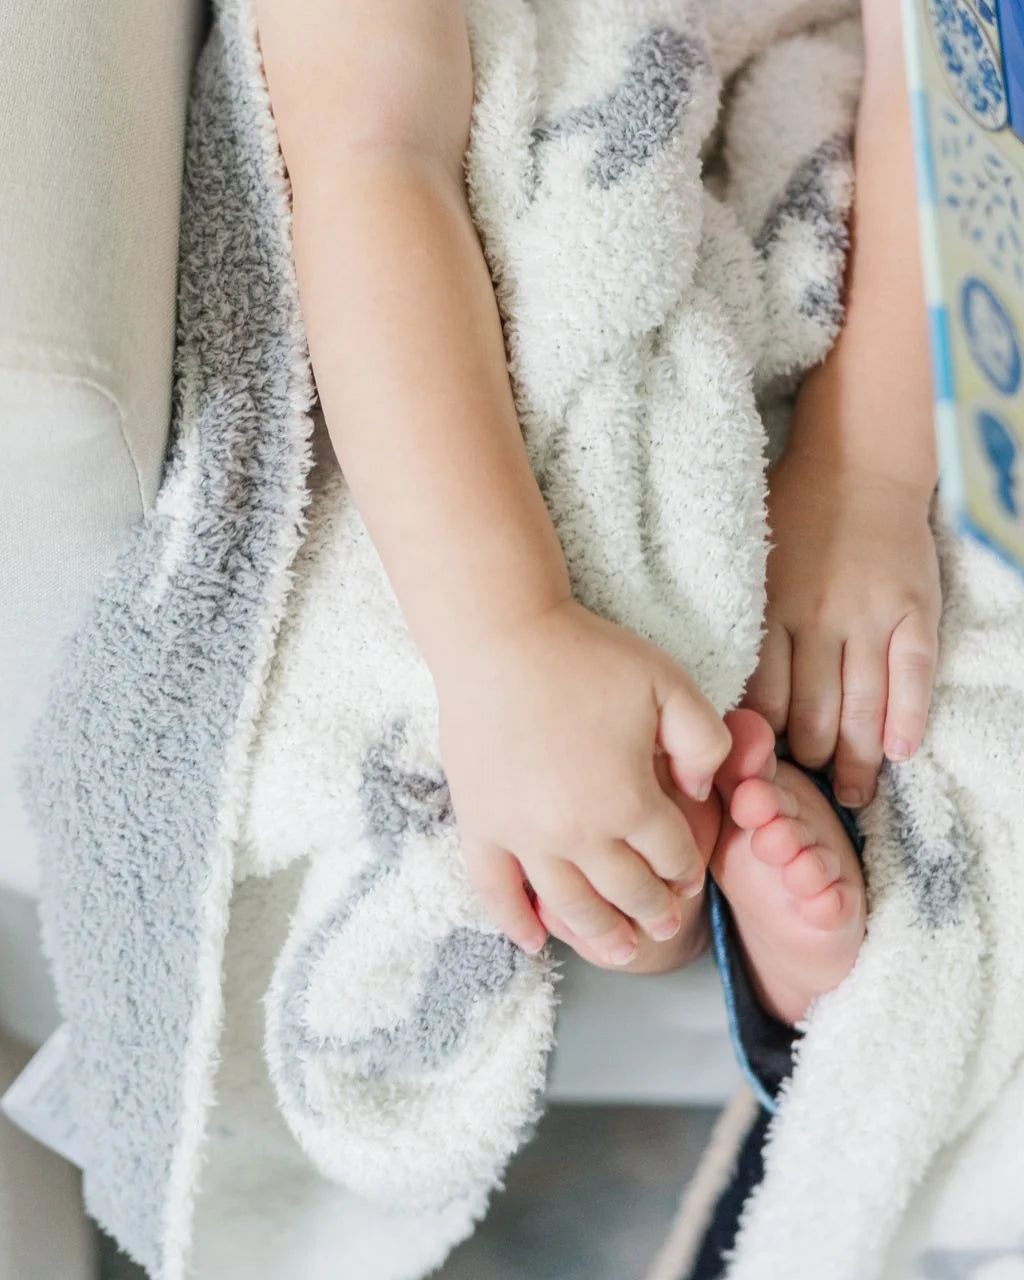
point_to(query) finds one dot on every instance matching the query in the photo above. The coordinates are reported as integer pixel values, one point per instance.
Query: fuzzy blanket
(238, 781)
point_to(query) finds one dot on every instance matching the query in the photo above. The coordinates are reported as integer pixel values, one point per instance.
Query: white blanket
(662, 188)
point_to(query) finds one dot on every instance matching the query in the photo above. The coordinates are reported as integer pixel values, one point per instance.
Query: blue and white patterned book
(966, 70)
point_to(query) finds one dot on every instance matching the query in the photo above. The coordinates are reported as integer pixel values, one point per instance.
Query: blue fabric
(724, 953)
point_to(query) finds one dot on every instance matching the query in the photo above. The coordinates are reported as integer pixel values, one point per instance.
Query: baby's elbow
(355, 81)
(440, 142)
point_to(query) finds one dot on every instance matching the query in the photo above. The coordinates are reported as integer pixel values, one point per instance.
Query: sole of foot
(789, 872)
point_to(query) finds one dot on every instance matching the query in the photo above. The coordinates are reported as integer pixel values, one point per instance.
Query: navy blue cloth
(721, 1233)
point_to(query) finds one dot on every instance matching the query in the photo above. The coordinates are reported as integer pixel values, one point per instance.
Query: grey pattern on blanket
(468, 967)
(396, 801)
(639, 117)
(938, 873)
(807, 201)
(468, 964)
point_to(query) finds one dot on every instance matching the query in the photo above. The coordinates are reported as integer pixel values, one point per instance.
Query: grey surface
(660, 1042)
(28, 1008)
(590, 1199)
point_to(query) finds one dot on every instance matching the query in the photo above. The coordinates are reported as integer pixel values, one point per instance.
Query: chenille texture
(238, 781)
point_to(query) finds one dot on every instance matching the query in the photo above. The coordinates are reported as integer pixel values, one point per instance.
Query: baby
(593, 783)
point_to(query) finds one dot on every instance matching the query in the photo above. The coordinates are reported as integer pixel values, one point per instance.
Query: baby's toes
(757, 802)
(779, 841)
(811, 871)
(752, 754)
(830, 909)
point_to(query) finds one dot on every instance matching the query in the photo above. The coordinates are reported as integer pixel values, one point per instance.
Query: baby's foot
(789, 872)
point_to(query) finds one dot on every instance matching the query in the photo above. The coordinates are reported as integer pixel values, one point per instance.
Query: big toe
(752, 754)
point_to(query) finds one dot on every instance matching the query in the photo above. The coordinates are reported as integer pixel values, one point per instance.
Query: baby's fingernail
(697, 788)
(667, 929)
(851, 799)
(624, 952)
(694, 890)
(900, 750)
(534, 946)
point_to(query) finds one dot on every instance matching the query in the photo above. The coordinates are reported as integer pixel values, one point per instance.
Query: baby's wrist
(840, 431)
(472, 643)
(906, 488)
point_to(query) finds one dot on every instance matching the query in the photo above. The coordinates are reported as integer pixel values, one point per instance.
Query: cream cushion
(91, 140)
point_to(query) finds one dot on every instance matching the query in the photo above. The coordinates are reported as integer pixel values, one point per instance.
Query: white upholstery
(68, 491)
(91, 139)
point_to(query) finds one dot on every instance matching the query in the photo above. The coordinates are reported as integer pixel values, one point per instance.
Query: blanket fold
(244, 732)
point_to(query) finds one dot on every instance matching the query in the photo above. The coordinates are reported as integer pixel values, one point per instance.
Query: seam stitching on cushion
(107, 394)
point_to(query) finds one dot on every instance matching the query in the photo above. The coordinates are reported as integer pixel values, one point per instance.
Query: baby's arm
(549, 716)
(849, 658)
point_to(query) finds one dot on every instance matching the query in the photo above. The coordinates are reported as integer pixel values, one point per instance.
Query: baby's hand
(705, 822)
(549, 736)
(849, 657)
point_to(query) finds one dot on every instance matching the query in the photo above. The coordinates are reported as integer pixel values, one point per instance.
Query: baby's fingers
(769, 687)
(652, 957)
(817, 698)
(571, 897)
(497, 878)
(692, 735)
(665, 841)
(624, 879)
(861, 720)
(913, 653)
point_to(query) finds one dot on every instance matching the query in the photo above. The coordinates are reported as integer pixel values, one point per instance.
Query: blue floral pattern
(991, 336)
(986, 12)
(1000, 448)
(969, 60)
(982, 190)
